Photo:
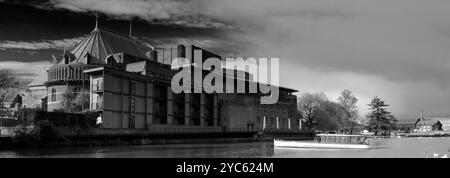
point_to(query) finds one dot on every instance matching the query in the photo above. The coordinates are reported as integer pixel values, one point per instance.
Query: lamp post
(289, 123)
(264, 122)
(278, 125)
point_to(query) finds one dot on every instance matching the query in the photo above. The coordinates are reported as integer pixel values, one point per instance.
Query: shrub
(42, 135)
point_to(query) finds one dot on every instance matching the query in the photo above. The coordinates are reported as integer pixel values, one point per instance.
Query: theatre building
(129, 85)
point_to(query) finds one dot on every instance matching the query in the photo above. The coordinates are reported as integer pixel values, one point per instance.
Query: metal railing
(151, 129)
(282, 130)
(10, 122)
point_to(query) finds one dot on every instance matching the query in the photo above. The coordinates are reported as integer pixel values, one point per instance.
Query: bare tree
(309, 108)
(11, 84)
(331, 116)
(73, 102)
(348, 102)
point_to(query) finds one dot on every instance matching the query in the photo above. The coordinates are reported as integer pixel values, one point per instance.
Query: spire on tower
(96, 19)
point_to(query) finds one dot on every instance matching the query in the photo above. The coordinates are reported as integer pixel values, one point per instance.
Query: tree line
(319, 113)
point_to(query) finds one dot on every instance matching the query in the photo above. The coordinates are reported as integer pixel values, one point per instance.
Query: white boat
(328, 141)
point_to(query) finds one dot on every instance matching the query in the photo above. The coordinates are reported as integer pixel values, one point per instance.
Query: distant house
(35, 97)
(9, 109)
(406, 126)
(16, 102)
(425, 126)
(428, 125)
(446, 125)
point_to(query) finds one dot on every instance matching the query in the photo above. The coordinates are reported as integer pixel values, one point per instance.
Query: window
(100, 84)
(132, 90)
(160, 119)
(209, 122)
(53, 95)
(179, 120)
(159, 108)
(195, 121)
(161, 92)
(131, 121)
(132, 104)
(99, 104)
(132, 87)
(87, 58)
(111, 61)
(97, 84)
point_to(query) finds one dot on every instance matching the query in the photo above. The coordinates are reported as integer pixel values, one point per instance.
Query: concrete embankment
(154, 139)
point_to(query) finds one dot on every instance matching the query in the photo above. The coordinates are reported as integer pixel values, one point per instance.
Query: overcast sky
(398, 50)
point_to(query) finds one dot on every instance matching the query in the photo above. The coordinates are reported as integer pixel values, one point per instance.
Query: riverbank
(430, 134)
(9, 143)
(425, 135)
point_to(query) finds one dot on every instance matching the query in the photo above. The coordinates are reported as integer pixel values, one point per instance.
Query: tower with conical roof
(66, 76)
(102, 42)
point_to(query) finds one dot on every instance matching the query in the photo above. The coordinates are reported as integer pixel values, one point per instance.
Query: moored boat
(328, 141)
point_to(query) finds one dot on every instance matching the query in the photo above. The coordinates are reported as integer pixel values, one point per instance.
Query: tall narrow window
(132, 104)
(53, 95)
(132, 90)
(131, 121)
(132, 87)
(99, 104)
(100, 84)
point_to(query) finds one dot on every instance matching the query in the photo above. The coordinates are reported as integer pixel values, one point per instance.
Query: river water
(389, 148)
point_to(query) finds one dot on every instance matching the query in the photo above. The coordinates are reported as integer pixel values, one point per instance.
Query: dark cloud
(39, 45)
(33, 30)
(167, 12)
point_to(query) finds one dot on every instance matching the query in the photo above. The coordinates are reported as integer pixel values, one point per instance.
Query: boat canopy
(339, 135)
(341, 139)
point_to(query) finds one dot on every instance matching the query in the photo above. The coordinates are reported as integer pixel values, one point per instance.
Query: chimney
(153, 55)
(181, 51)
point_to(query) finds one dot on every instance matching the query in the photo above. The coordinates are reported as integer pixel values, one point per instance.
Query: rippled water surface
(397, 147)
